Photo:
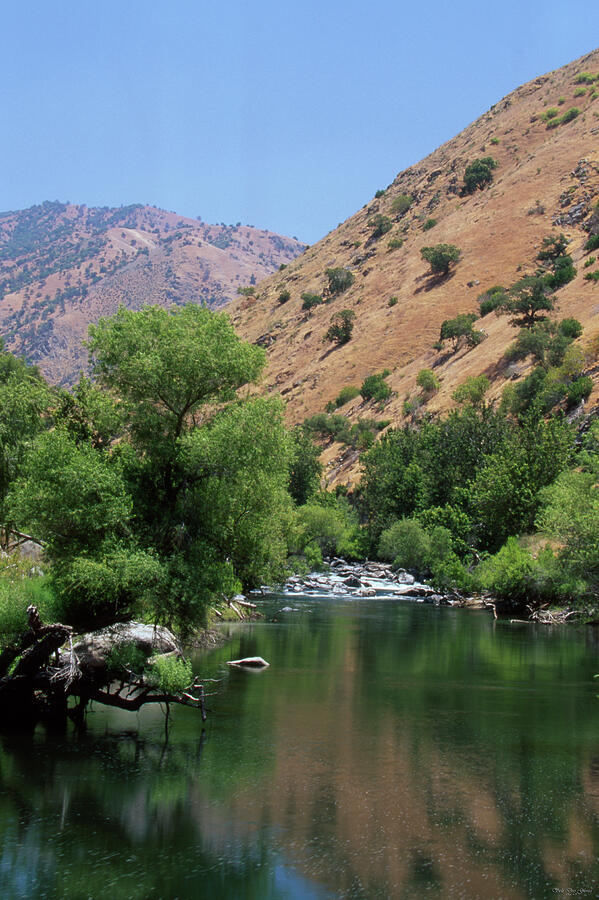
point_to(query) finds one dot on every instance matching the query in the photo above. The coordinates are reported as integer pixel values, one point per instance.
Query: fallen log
(42, 678)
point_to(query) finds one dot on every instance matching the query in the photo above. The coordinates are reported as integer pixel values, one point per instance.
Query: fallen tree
(126, 666)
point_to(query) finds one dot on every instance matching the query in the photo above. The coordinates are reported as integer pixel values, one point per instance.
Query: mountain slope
(546, 182)
(62, 266)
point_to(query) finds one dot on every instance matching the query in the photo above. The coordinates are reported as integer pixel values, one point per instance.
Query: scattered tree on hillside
(340, 280)
(479, 174)
(342, 326)
(440, 257)
(460, 331)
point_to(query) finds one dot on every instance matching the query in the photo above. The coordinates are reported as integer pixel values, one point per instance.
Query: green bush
(550, 113)
(333, 528)
(340, 331)
(379, 225)
(440, 257)
(283, 297)
(401, 204)
(514, 575)
(340, 280)
(570, 328)
(406, 544)
(563, 272)
(309, 301)
(392, 301)
(479, 174)
(428, 381)
(592, 276)
(568, 116)
(171, 674)
(350, 392)
(579, 390)
(586, 78)
(492, 299)
(394, 243)
(592, 243)
(472, 391)
(374, 387)
(428, 224)
(380, 193)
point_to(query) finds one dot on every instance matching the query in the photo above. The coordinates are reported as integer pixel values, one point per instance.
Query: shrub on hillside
(340, 280)
(374, 387)
(440, 257)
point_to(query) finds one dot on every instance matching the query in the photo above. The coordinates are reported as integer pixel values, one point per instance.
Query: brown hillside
(63, 266)
(546, 182)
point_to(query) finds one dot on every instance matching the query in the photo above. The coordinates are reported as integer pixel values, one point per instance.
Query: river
(391, 750)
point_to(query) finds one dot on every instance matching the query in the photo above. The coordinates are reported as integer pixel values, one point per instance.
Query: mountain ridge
(63, 266)
(546, 182)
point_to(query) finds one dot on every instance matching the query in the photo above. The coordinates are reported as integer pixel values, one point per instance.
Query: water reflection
(389, 751)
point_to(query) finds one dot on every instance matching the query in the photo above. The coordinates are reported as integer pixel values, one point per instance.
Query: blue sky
(284, 116)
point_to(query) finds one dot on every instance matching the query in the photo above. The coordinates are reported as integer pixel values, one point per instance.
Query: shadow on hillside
(432, 281)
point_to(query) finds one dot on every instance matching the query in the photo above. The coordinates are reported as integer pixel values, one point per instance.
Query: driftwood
(36, 679)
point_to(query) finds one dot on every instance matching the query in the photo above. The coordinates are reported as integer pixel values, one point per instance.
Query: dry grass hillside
(63, 266)
(546, 182)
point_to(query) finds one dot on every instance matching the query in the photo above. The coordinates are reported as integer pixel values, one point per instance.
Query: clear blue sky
(286, 116)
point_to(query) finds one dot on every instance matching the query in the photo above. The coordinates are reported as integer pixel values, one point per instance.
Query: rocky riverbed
(366, 579)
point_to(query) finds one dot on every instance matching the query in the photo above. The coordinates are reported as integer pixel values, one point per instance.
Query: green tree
(342, 326)
(441, 257)
(528, 302)
(479, 174)
(460, 331)
(339, 279)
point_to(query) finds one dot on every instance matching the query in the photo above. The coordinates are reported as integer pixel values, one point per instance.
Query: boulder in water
(249, 662)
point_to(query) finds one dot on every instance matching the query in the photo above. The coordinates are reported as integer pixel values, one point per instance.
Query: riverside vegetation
(158, 488)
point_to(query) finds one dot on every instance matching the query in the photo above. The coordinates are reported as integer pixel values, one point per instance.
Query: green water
(391, 750)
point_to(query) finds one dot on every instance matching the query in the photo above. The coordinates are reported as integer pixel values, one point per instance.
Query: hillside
(63, 266)
(546, 182)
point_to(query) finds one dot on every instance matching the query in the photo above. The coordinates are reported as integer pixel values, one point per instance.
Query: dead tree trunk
(36, 680)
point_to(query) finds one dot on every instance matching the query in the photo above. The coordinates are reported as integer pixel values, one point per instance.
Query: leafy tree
(190, 501)
(339, 279)
(459, 330)
(479, 174)
(440, 257)
(284, 296)
(72, 497)
(553, 247)
(528, 302)
(505, 493)
(570, 514)
(305, 467)
(342, 326)
(165, 366)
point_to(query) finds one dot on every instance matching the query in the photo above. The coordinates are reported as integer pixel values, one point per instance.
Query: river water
(391, 750)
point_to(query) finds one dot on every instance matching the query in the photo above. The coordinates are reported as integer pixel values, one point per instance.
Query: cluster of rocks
(367, 579)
